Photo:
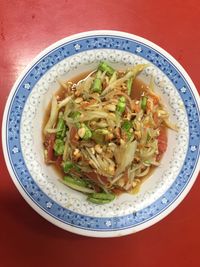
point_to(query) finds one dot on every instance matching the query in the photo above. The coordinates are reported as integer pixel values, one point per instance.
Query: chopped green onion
(103, 66)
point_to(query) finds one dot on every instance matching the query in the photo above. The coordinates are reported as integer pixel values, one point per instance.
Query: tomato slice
(162, 142)
(94, 177)
(117, 191)
(73, 134)
(58, 161)
(49, 143)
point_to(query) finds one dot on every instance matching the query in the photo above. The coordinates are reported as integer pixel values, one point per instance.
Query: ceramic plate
(22, 139)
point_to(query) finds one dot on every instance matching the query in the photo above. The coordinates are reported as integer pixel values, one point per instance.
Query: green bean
(113, 77)
(148, 136)
(144, 103)
(126, 127)
(103, 66)
(98, 138)
(75, 180)
(59, 146)
(98, 74)
(77, 184)
(97, 85)
(98, 201)
(74, 115)
(147, 162)
(99, 135)
(105, 196)
(101, 198)
(67, 166)
(88, 133)
(102, 131)
(61, 128)
(121, 105)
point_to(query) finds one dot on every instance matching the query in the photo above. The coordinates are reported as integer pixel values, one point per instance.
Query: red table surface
(26, 28)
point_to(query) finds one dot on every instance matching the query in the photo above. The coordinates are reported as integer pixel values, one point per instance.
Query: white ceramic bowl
(22, 140)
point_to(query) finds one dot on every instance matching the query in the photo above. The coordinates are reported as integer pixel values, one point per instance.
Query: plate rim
(31, 202)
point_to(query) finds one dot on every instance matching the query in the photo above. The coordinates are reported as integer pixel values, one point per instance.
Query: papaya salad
(103, 139)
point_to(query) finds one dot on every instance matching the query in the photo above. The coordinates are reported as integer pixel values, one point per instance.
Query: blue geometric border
(13, 132)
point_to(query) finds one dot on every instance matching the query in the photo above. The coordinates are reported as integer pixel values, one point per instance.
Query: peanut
(98, 149)
(78, 100)
(81, 132)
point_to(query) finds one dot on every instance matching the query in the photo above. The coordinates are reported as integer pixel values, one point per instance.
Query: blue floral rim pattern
(13, 132)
